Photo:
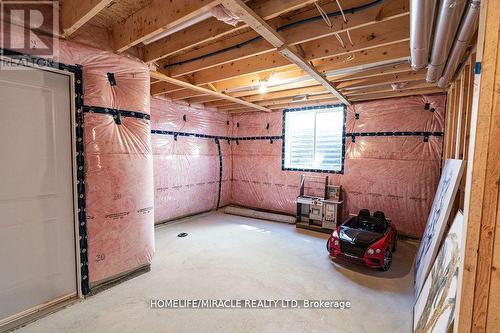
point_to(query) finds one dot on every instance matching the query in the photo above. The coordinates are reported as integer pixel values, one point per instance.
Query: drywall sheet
(434, 309)
(395, 174)
(187, 168)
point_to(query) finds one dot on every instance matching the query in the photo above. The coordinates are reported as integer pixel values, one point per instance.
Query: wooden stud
(479, 279)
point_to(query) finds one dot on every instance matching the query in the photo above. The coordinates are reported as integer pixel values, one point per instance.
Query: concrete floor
(231, 257)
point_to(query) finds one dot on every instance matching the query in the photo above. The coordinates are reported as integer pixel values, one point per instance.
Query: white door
(37, 229)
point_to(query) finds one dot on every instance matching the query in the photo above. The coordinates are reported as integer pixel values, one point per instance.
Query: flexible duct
(465, 33)
(421, 19)
(449, 15)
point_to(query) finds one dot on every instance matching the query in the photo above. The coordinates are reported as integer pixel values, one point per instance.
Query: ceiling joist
(213, 29)
(223, 51)
(156, 18)
(75, 13)
(163, 77)
(239, 8)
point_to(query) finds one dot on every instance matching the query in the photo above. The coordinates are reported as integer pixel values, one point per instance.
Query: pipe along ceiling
(449, 27)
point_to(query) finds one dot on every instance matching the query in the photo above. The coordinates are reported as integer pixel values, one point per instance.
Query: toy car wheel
(387, 260)
(328, 246)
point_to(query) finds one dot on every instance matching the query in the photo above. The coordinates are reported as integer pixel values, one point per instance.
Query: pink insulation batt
(118, 164)
(397, 175)
(118, 161)
(186, 177)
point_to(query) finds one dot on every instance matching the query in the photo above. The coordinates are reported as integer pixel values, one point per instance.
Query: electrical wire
(323, 14)
(341, 11)
(329, 23)
(284, 27)
(345, 21)
(340, 40)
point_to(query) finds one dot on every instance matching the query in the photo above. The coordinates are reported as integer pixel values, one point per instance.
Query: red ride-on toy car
(365, 239)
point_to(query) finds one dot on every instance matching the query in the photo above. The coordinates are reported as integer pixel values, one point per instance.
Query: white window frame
(285, 165)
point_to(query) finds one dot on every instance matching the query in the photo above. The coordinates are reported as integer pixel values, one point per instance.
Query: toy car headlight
(370, 251)
(377, 251)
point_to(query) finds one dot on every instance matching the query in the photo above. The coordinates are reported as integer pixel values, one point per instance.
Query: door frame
(74, 73)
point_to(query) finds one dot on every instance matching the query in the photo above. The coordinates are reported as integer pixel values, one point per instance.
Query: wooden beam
(286, 93)
(352, 66)
(254, 21)
(479, 278)
(75, 13)
(275, 39)
(160, 88)
(163, 77)
(185, 94)
(330, 100)
(357, 77)
(232, 107)
(378, 36)
(155, 18)
(397, 93)
(213, 29)
(294, 35)
(313, 72)
(388, 87)
(218, 103)
(327, 99)
(380, 92)
(372, 83)
(291, 100)
(203, 99)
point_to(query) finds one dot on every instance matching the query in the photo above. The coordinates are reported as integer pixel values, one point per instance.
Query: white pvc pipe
(449, 16)
(421, 19)
(465, 33)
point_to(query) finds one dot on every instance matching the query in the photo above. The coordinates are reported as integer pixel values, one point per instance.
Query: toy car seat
(379, 215)
(363, 215)
(380, 218)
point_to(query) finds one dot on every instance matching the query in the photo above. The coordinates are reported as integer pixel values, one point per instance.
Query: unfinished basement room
(250, 166)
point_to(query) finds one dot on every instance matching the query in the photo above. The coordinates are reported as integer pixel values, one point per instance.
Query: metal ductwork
(465, 33)
(421, 22)
(448, 19)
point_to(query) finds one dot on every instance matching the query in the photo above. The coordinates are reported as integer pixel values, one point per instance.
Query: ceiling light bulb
(262, 87)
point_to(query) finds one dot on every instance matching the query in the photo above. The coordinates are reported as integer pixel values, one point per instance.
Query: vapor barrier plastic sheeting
(118, 165)
(118, 159)
(170, 116)
(187, 169)
(395, 174)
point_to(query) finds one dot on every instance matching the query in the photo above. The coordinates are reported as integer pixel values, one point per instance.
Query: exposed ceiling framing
(282, 54)
(203, 91)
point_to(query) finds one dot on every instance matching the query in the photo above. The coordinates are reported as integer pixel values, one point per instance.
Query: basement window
(314, 139)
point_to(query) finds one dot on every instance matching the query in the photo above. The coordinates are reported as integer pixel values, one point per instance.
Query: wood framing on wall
(457, 122)
(479, 285)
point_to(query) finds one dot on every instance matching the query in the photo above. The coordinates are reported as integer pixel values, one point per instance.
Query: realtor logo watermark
(332, 304)
(30, 28)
